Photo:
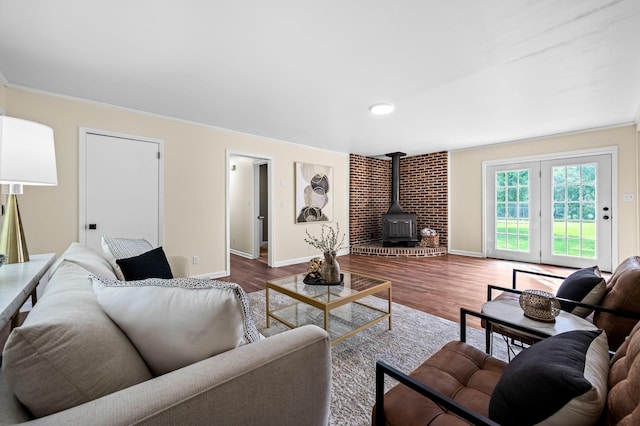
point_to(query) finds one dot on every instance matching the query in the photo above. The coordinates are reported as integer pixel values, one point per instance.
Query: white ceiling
(460, 72)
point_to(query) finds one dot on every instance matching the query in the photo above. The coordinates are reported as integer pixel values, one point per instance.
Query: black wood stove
(398, 228)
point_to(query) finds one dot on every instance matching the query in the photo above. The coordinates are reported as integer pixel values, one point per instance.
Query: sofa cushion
(174, 323)
(561, 380)
(122, 248)
(586, 286)
(152, 264)
(89, 259)
(458, 371)
(68, 351)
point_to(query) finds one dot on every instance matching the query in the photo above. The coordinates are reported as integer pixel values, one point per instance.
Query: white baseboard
(241, 254)
(466, 253)
(212, 275)
(293, 261)
(288, 262)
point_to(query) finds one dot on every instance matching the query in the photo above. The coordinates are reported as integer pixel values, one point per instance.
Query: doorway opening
(249, 208)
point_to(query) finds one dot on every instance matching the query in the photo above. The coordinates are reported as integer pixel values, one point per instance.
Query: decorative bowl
(539, 305)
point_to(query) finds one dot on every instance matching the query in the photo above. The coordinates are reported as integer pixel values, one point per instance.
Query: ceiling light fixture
(381, 108)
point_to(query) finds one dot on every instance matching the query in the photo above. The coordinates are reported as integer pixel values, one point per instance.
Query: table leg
(326, 319)
(34, 296)
(267, 302)
(488, 346)
(15, 320)
(390, 308)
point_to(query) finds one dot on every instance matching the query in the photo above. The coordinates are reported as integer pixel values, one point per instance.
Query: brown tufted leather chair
(623, 401)
(623, 294)
(460, 379)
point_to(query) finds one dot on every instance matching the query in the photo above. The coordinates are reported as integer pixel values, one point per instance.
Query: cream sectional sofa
(70, 364)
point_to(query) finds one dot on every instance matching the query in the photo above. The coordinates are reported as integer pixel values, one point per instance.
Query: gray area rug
(415, 336)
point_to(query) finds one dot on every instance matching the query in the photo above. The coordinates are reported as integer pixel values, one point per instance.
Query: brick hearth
(379, 250)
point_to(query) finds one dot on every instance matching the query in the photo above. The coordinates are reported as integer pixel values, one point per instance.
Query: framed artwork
(314, 199)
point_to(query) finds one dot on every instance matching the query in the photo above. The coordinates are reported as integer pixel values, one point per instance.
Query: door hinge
(158, 155)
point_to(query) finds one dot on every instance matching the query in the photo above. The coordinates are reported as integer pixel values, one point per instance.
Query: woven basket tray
(539, 305)
(430, 241)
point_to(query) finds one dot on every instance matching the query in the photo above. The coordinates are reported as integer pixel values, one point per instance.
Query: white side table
(510, 311)
(18, 281)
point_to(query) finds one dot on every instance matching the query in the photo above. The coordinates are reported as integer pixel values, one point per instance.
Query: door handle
(92, 226)
(261, 217)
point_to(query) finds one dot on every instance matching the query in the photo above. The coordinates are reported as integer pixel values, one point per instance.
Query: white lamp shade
(27, 153)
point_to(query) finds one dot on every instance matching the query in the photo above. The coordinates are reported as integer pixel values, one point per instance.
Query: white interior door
(120, 188)
(556, 211)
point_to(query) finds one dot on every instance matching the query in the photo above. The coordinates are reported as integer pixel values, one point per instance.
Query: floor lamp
(27, 157)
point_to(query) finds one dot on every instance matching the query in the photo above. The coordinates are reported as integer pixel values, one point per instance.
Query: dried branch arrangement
(329, 238)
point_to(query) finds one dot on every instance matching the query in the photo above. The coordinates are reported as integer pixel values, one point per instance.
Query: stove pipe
(395, 182)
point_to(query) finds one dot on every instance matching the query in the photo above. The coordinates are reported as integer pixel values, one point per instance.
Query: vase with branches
(329, 242)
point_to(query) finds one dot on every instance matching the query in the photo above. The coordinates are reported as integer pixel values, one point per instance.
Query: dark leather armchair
(454, 386)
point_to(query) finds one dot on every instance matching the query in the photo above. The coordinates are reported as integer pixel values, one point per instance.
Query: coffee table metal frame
(327, 299)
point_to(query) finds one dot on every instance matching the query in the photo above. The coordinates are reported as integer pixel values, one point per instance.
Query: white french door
(576, 212)
(513, 203)
(553, 211)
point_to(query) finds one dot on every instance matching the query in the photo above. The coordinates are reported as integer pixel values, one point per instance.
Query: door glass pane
(574, 210)
(559, 193)
(559, 228)
(523, 194)
(589, 248)
(512, 210)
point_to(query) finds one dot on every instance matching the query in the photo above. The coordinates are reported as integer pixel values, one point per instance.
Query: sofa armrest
(179, 266)
(283, 379)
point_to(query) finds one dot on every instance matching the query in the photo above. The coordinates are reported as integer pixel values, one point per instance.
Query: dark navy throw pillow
(152, 264)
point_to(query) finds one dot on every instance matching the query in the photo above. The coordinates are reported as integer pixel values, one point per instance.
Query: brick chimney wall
(423, 191)
(369, 197)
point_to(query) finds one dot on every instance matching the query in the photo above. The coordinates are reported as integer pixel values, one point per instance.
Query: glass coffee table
(339, 309)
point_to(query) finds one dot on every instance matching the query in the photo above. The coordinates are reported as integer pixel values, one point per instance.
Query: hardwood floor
(436, 285)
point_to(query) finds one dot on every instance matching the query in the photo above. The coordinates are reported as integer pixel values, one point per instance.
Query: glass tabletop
(352, 284)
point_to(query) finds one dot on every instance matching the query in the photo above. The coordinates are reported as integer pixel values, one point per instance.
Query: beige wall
(3, 97)
(466, 183)
(195, 176)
